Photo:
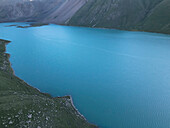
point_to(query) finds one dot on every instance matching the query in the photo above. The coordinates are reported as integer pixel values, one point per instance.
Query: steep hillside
(23, 10)
(49, 11)
(124, 14)
(159, 18)
(140, 15)
(64, 12)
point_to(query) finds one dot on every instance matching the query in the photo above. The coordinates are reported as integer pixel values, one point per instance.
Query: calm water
(118, 79)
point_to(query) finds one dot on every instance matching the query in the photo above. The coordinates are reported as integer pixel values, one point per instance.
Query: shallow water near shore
(118, 79)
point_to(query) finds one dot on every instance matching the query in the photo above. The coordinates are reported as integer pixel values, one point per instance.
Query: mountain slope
(159, 19)
(111, 13)
(49, 11)
(140, 15)
(64, 12)
(124, 14)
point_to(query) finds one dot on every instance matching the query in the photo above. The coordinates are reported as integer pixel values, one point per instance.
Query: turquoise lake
(118, 79)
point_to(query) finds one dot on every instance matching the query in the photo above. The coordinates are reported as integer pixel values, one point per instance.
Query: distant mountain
(140, 15)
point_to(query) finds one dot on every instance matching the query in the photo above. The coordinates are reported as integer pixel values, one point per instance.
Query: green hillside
(159, 19)
(145, 15)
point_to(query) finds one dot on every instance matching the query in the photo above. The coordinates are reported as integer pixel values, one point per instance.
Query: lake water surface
(118, 79)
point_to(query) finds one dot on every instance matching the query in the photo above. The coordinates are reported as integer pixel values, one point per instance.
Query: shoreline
(68, 96)
(65, 99)
(111, 28)
(39, 24)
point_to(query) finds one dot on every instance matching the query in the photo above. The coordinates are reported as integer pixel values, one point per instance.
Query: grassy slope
(24, 106)
(124, 14)
(159, 19)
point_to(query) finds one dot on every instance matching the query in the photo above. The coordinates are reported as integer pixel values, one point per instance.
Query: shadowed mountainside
(142, 15)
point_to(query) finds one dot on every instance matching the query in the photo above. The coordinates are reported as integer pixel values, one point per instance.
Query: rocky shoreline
(25, 106)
